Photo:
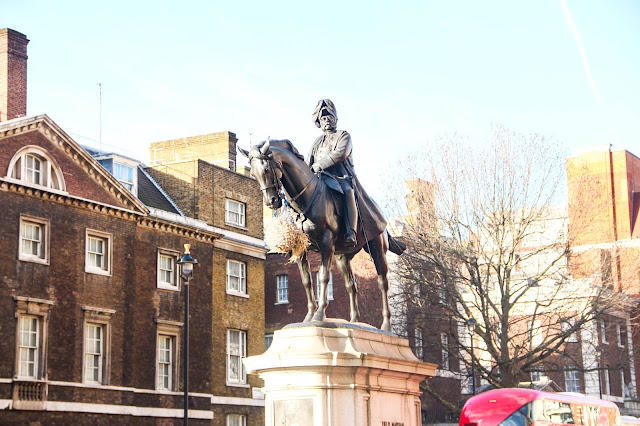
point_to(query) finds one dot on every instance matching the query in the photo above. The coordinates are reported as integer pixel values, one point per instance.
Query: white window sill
(97, 271)
(94, 384)
(235, 225)
(35, 186)
(167, 286)
(33, 259)
(286, 302)
(237, 293)
(238, 385)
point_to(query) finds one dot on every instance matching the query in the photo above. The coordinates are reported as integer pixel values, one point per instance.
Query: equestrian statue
(333, 209)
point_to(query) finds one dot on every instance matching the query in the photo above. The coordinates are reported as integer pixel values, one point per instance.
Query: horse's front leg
(326, 252)
(305, 275)
(344, 265)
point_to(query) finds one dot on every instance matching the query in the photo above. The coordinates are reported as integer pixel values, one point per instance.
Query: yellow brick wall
(236, 312)
(217, 148)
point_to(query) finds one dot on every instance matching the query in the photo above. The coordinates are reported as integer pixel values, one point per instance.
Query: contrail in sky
(583, 53)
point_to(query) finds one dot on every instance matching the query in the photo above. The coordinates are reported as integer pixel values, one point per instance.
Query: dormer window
(122, 168)
(33, 166)
(124, 174)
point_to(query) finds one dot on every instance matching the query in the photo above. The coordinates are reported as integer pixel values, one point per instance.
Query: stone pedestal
(338, 374)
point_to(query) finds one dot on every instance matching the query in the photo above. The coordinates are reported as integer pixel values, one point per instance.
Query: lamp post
(186, 263)
(471, 324)
(598, 360)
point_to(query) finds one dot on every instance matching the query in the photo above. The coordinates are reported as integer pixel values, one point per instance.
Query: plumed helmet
(324, 105)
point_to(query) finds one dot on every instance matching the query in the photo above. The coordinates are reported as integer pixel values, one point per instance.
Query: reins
(277, 183)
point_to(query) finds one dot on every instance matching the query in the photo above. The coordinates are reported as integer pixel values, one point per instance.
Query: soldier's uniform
(331, 152)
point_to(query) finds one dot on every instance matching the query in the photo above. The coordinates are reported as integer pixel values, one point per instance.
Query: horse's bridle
(277, 183)
(272, 164)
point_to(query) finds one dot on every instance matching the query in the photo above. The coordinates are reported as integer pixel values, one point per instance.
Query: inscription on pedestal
(392, 423)
(293, 412)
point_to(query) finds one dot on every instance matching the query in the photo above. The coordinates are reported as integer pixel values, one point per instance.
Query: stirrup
(350, 239)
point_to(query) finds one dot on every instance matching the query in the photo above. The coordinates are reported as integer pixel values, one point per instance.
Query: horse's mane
(283, 143)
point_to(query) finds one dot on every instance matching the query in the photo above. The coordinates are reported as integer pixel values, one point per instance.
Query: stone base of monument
(334, 373)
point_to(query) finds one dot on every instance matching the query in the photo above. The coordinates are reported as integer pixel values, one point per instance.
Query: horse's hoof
(308, 317)
(386, 326)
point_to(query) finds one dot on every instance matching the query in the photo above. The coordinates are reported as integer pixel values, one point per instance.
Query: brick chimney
(13, 74)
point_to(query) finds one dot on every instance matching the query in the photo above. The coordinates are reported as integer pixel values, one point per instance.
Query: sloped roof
(152, 195)
(76, 154)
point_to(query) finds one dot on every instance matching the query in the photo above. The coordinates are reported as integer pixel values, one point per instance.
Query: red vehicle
(527, 407)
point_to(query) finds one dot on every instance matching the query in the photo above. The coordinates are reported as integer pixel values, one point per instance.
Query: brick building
(90, 300)
(606, 184)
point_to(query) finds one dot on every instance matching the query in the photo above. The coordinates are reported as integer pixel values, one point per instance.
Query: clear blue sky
(401, 73)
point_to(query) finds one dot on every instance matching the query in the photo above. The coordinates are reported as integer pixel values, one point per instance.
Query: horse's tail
(395, 246)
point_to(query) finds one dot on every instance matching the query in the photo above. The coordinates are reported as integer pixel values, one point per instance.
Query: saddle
(332, 182)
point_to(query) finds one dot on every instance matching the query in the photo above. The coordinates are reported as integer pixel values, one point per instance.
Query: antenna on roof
(100, 116)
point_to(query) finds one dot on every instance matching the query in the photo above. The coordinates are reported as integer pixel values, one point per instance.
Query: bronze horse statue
(277, 164)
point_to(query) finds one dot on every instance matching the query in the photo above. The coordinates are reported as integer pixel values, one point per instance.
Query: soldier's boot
(351, 218)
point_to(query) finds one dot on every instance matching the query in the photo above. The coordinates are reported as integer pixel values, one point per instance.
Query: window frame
(241, 222)
(100, 317)
(619, 339)
(108, 252)
(43, 256)
(282, 292)
(36, 348)
(50, 170)
(160, 362)
(444, 341)
(603, 332)
(241, 417)
(268, 340)
(29, 307)
(535, 333)
(126, 183)
(171, 330)
(242, 278)
(536, 374)
(99, 354)
(575, 380)
(242, 349)
(161, 284)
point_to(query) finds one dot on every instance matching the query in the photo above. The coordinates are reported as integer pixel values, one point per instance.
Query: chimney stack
(13, 74)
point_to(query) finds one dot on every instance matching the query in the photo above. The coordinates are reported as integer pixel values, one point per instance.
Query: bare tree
(486, 227)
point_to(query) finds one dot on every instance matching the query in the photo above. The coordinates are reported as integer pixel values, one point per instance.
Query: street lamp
(186, 263)
(471, 324)
(598, 360)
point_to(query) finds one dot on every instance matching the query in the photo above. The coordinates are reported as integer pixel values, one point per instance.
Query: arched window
(33, 166)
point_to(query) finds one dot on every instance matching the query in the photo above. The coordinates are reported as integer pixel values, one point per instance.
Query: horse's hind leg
(344, 265)
(378, 251)
(305, 275)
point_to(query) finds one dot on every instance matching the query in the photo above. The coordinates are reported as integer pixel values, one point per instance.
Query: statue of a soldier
(331, 153)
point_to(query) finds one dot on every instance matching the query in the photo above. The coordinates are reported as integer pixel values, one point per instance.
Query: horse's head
(266, 171)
